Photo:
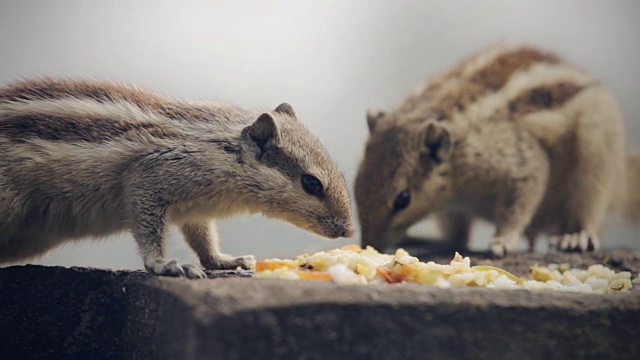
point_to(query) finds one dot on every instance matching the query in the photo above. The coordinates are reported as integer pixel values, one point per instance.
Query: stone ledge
(244, 317)
(49, 312)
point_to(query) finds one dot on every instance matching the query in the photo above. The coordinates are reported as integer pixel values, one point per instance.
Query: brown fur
(518, 137)
(545, 97)
(104, 91)
(89, 159)
(77, 128)
(496, 74)
(446, 101)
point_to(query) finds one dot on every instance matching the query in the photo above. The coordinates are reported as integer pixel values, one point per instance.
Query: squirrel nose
(336, 228)
(347, 231)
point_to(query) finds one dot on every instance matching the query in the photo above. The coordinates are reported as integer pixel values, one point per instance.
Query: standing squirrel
(90, 159)
(513, 135)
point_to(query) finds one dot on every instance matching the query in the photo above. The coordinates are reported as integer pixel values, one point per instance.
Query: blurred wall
(330, 59)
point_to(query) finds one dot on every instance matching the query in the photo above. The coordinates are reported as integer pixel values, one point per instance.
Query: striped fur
(522, 138)
(89, 159)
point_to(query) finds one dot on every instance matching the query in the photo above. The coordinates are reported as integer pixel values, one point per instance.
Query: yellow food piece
(540, 273)
(500, 271)
(351, 248)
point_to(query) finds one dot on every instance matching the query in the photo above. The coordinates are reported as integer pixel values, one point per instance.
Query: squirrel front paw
(500, 246)
(580, 241)
(172, 268)
(226, 262)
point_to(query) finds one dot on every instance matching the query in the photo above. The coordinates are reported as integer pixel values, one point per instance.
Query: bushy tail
(629, 200)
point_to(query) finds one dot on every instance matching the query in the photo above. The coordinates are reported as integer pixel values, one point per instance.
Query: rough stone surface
(53, 312)
(47, 312)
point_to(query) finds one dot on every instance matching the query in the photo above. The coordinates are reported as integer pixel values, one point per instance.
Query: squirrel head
(403, 176)
(292, 176)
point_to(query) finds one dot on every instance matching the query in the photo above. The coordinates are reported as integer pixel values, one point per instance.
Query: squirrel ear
(286, 108)
(373, 117)
(262, 130)
(437, 143)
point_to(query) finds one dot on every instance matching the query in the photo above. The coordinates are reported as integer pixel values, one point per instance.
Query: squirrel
(514, 135)
(87, 158)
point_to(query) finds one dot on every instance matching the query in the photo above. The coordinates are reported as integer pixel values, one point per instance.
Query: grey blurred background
(330, 59)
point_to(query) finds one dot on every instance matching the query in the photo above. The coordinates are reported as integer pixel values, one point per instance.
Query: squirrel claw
(502, 245)
(172, 268)
(581, 241)
(230, 263)
(498, 250)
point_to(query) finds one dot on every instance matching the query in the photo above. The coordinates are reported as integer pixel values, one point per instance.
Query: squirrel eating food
(81, 158)
(513, 135)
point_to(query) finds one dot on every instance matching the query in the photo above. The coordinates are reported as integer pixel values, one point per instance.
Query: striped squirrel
(90, 158)
(514, 135)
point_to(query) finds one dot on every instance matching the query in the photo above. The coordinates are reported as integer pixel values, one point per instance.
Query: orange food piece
(382, 271)
(407, 273)
(273, 265)
(314, 275)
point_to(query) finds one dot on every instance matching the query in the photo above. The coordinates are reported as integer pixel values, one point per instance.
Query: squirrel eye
(311, 185)
(402, 200)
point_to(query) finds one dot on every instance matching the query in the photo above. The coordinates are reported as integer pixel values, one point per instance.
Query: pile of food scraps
(354, 265)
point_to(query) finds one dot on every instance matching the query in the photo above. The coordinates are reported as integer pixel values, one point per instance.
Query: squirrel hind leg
(597, 172)
(589, 195)
(580, 226)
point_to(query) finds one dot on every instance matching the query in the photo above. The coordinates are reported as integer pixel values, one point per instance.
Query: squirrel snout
(345, 232)
(347, 229)
(335, 228)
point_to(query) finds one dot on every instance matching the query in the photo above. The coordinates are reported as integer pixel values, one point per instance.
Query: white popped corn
(353, 265)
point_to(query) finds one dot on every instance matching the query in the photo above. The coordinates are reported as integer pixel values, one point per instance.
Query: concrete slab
(50, 312)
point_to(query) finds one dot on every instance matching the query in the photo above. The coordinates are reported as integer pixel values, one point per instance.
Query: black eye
(402, 200)
(311, 185)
